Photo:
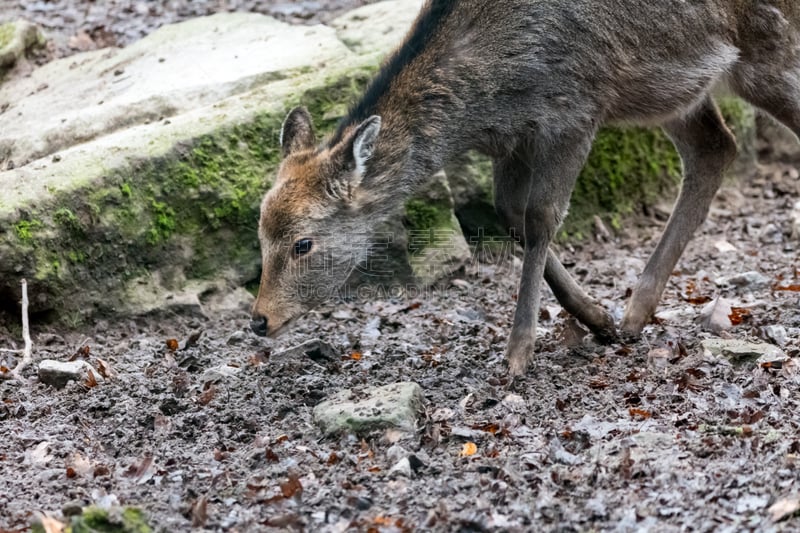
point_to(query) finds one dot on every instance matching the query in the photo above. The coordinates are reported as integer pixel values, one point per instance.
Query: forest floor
(654, 435)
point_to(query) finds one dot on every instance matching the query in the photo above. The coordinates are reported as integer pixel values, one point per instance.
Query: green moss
(25, 230)
(628, 167)
(6, 34)
(96, 520)
(421, 216)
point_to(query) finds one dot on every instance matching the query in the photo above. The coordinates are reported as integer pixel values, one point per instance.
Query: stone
(16, 38)
(796, 220)
(776, 334)
(314, 349)
(740, 351)
(715, 315)
(374, 408)
(58, 373)
(751, 279)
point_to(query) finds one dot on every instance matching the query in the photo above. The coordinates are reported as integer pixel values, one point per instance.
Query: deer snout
(258, 324)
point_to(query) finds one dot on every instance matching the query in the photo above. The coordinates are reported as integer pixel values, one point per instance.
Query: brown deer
(528, 82)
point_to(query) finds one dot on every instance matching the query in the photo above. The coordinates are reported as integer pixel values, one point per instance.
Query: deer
(528, 83)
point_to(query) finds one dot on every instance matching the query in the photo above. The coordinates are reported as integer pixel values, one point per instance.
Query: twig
(26, 336)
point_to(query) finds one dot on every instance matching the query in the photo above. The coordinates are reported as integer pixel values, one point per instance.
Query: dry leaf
(90, 380)
(105, 369)
(715, 315)
(292, 487)
(784, 508)
(469, 448)
(38, 456)
(51, 525)
(200, 511)
(207, 395)
(272, 457)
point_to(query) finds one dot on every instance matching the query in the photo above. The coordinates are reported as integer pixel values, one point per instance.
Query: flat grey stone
(362, 411)
(740, 351)
(59, 373)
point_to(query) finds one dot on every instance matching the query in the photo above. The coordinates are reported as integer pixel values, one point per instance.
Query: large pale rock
(740, 351)
(174, 70)
(152, 159)
(361, 411)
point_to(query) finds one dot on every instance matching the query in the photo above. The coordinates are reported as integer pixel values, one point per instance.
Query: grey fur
(530, 82)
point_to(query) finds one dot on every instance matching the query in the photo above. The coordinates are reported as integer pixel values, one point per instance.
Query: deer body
(528, 83)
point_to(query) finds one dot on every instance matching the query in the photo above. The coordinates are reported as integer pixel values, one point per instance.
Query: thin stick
(26, 335)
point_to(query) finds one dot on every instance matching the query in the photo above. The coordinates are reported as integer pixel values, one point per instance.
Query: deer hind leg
(706, 147)
(512, 178)
(776, 93)
(550, 172)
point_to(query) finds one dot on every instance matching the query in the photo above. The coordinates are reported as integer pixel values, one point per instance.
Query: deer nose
(259, 325)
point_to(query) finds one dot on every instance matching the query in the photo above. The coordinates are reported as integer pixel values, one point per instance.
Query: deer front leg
(512, 179)
(555, 166)
(706, 147)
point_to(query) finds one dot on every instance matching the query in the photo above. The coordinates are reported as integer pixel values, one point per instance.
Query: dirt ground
(654, 435)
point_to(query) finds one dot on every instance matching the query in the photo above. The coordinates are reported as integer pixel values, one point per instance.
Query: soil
(650, 435)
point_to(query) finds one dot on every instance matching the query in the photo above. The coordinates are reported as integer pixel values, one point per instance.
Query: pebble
(361, 411)
(59, 373)
(776, 334)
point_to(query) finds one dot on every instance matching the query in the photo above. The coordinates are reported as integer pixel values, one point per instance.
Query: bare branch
(26, 336)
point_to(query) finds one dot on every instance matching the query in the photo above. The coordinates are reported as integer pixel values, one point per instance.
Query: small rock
(342, 314)
(795, 215)
(740, 351)
(220, 373)
(314, 349)
(715, 315)
(513, 401)
(771, 234)
(724, 246)
(776, 334)
(751, 279)
(371, 332)
(362, 411)
(402, 467)
(237, 337)
(460, 284)
(560, 455)
(59, 373)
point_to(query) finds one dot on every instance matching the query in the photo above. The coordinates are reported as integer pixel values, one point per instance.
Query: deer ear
(364, 140)
(297, 132)
(353, 153)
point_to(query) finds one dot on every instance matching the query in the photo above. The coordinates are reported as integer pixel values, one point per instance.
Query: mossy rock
(96, 520)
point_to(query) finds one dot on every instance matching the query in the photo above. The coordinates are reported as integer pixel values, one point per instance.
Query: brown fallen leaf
(51, 525)
(105, 369)
(292, 487)
(207, 395)
(90, 380)
(739, 315)
(192, 340)
(200, 511)
(469, 448)
(272, 457)
(784, 508)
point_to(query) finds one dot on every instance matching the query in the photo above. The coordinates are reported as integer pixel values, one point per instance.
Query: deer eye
(302, 247)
